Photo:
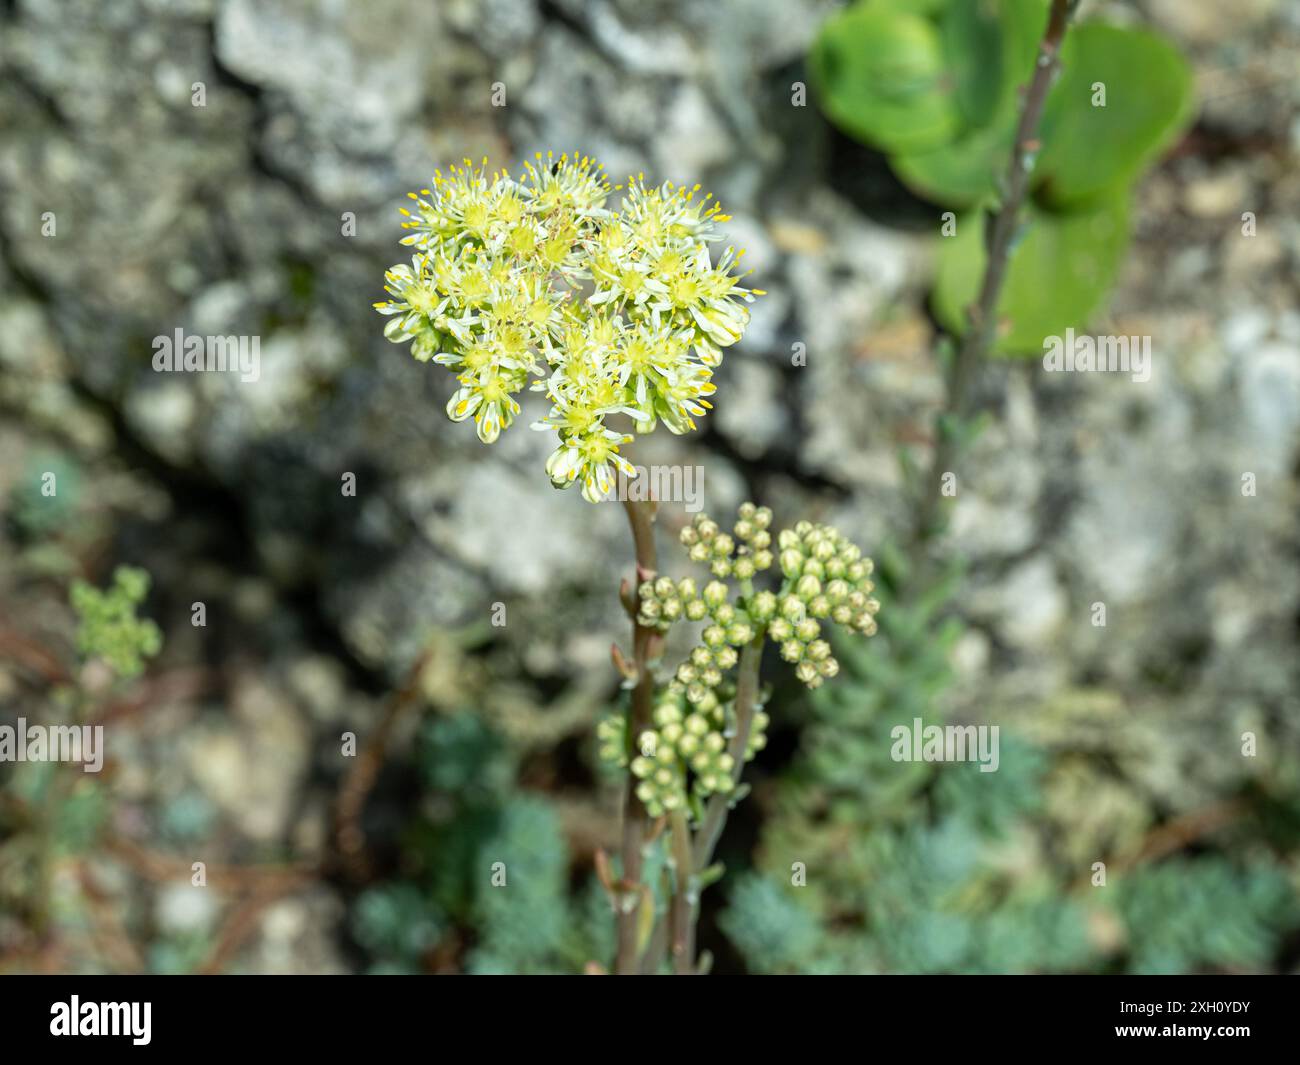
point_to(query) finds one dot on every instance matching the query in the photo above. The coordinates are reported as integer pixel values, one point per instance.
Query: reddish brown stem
(635, 818)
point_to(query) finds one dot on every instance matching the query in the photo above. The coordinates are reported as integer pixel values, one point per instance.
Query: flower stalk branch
(686, 756)
(640, 514)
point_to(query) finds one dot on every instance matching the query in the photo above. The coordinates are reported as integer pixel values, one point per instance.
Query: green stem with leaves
(983, 316)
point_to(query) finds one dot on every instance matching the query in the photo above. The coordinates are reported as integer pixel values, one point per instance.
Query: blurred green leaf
(989, 45)
(1060, 271)
(973, 41)
(1089, 149)
(881, 77)
(961, 173)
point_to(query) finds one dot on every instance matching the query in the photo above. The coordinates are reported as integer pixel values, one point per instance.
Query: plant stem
(694, 855)
(640, 516)
(984, 314)
(715, 814)
(681, 919)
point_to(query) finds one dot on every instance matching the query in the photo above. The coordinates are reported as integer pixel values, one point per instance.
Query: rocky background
(234, 218)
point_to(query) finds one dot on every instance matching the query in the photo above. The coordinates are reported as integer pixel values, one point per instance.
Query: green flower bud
(712, 677)
(714, 635)
(714, 742)
(724, 614)
(787, 540)
(739, 634)
(819, 650)
(857, 571)
(802, 529)
(807, 672)
(793, 608)
(743, 568)
(792, 650)
(687, 674)
(806, 630)
(686, 588)
(746, 511)
(828, 667)
(663, 587)
(763, 559)
(835, 569)
(762, 538)
(697, 725)
(715, 593)
(744, 530)
(700, 553)
(696, 610)
(672, 609)
(700, 657)
(723, 545)
(667, 714)
(762, 606)
(688, 536)
(763, 517)
(721, 567)
(791, 563)
(726, 657)
(707, 529)
(808, 587)
(819, 606)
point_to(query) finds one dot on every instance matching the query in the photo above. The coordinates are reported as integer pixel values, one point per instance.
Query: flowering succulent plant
(535, 282)
(607, 311)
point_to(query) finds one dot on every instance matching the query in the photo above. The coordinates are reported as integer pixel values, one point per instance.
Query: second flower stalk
(685, 742)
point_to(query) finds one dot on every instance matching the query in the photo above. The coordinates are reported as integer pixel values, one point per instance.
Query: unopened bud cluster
(695, 737)
(826, 579)
(687, 754)
(741, 554)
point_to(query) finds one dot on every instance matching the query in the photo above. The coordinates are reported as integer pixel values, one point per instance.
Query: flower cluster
(826, 577)
(741, 555)
(687, 755)
(690, 736)
(535, 280)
